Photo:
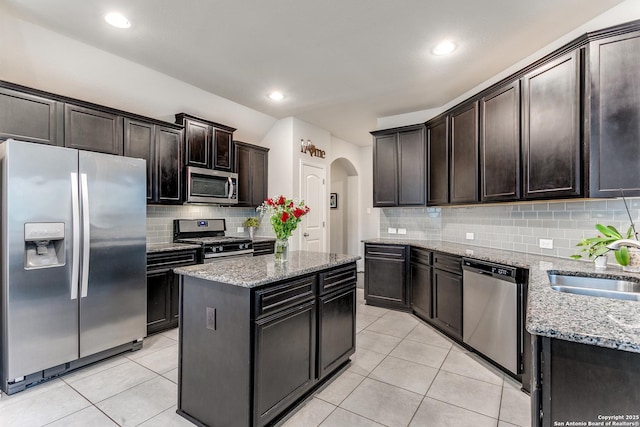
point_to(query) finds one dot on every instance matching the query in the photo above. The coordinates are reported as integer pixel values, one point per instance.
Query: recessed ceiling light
(444, 48)
(117, 20)
(276, 96)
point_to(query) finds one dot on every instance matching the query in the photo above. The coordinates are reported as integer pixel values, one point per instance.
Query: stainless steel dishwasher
(492, 312)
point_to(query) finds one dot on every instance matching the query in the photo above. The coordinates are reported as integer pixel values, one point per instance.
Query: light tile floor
(404, 373)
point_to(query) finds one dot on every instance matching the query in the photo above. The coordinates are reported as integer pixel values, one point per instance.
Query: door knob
(306, 234)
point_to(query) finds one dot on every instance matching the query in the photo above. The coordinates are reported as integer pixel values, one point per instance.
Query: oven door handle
(228, 254)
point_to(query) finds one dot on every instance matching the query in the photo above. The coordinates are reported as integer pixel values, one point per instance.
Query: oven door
(210, 186)
(211, 258)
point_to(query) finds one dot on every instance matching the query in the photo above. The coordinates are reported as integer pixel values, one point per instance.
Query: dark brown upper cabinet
(222, 149)
(160, 147)
(500, 144)
(93, 130)
(614, 122)
(31, 118)
(551, 129)
(197, 144)
(464, 182)
(399, 165)
(139, 142)
(207, 144)
(438, 161)
(252, 166)
(385, 170)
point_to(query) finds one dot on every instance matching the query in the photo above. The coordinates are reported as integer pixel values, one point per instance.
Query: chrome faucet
(632, 243)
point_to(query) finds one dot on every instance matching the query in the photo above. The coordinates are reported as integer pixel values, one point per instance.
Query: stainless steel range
(209, 233)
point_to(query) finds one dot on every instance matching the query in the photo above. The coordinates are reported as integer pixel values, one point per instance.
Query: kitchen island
(258, 337)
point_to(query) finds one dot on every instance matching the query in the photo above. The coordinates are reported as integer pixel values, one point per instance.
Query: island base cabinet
(214, 351)
(281, 377)
(336, 334)
(582, 383)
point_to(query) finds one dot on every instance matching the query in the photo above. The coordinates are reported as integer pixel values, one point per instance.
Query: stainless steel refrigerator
(73, 259)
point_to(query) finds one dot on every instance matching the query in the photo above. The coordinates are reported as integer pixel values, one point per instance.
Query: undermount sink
(596, 286)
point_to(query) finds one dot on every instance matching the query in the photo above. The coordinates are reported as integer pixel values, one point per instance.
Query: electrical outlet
(402, 231)
(470, 236)
(546, 243)
(240, 229)
(391, 230)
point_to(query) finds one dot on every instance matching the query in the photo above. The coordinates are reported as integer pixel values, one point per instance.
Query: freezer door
(113, 275)
(40, 327)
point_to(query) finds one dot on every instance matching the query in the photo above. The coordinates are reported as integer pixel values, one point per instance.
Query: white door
(313, 191)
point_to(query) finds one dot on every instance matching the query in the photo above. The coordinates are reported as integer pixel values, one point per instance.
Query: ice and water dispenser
(44, 244)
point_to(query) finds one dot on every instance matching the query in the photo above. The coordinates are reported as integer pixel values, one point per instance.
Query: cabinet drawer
(337, 278)
(449, 263)
(279, 297)
(420, 256)
(385, 251)
(169, 260)
(263, 248)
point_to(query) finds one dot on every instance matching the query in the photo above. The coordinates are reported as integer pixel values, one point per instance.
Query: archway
(343, 219)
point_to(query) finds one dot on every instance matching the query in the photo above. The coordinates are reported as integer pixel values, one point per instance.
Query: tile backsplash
(514, 226)
(160, 220)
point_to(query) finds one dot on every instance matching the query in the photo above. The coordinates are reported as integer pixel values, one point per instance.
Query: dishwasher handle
(497, 271)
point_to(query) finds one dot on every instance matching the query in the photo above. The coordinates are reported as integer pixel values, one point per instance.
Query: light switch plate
(391, 230)
(470, 236)
(402, 231)
(546, 243)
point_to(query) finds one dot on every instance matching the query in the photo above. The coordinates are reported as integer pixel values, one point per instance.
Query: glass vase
(281, 253)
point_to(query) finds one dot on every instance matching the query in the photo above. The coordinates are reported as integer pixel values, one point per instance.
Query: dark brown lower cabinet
(420, 277)
(582, 383)
(385, 277)
(447, 294)
(285, 358)
(163, 288)
(248, 355)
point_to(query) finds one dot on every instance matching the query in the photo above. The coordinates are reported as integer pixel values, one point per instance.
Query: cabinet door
(158, 301)
(222, 153)
(168, 157)
(259, 176)
(92, 130)
(385, 276)
(421, 289)
(464, 155)
(197, 144)
(284, 364)
(447, 302)
(412, 168)
(244, 169)
(438, 162)
(336, 333)
(139, 142)
(615, 116)
(551, 129)
(30, 118)
(174, 300)
(385, 170)
(500, 144)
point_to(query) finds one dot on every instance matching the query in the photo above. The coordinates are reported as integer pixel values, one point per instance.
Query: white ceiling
(341, 63)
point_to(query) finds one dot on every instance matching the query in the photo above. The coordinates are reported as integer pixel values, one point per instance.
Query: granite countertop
(589, 320)
(250, 272)
(167, 247)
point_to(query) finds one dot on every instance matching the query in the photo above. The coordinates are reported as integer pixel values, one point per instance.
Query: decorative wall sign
(309, 148)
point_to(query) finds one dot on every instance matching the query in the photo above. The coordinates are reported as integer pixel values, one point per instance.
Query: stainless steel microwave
(211, 186)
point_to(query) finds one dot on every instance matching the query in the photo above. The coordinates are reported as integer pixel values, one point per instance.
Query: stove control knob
(219, 249)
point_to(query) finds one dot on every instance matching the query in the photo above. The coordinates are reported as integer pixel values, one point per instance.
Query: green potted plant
(251, 223)
(596, 247)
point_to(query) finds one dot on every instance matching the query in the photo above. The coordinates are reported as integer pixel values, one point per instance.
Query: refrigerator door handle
(75, 255)
(85, 235)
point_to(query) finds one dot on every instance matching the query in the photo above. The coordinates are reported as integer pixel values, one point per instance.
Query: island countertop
(589, 320)
(250, 272)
